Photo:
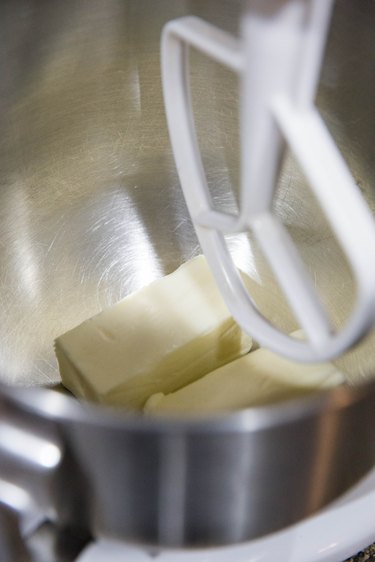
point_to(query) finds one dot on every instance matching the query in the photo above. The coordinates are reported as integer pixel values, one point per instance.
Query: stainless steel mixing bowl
(91, 210)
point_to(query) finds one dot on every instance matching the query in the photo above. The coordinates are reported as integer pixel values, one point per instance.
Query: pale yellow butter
(159, 339)
(259, 378)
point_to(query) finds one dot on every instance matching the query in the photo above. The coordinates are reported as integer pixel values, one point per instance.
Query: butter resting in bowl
(259, 378)
(173, 348)
(158, 339)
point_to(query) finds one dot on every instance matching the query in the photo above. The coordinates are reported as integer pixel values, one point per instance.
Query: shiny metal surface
(91, 209)
(90, 206)
(203, 482)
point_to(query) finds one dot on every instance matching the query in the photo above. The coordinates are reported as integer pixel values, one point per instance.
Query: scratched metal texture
(90, 205)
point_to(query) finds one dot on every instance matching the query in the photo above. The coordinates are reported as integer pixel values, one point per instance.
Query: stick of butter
(159, 339)
(259, 378)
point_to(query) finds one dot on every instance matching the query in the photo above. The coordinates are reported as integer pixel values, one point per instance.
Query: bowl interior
(90, 203)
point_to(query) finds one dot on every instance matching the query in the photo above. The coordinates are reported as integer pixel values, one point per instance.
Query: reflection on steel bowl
(91, 210)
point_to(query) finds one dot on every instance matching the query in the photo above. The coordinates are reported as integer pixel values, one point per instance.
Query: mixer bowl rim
(57, 407)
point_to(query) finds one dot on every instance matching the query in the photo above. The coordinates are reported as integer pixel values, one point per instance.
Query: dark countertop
(368, 554)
